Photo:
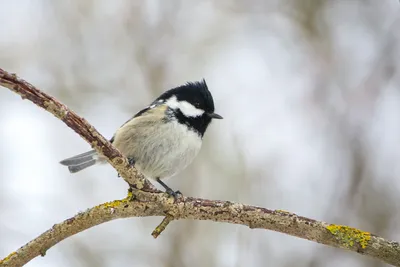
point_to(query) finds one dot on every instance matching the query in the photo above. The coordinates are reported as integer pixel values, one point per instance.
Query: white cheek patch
(185, 107)
(189, 110)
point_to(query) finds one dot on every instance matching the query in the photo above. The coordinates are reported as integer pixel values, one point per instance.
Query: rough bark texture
(144, 200)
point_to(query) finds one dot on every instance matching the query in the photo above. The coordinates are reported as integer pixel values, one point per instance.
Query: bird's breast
(159, 150)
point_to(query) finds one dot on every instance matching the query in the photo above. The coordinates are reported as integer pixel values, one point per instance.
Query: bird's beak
(214, 116)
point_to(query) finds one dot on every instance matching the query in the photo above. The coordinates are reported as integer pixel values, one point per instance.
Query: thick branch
(151, 203)
(218, 211)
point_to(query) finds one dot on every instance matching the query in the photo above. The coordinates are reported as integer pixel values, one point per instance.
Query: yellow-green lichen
(349, 236)
(8, 257)
(117, 203)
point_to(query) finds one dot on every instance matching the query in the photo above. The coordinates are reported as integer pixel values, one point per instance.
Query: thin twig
(161, 227)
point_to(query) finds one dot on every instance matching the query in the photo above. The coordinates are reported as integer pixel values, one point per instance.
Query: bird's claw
(131, 161)
(175, 194)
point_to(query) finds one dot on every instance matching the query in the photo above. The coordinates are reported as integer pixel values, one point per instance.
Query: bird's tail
(81, 161)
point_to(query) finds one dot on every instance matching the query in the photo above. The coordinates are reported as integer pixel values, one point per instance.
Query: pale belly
(163, 151)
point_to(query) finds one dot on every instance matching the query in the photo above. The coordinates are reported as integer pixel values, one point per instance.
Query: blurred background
(309, 90)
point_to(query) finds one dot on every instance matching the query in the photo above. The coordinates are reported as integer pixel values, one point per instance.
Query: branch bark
(144, 200)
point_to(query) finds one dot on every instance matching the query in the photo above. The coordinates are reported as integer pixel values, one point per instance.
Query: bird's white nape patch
(185, 107)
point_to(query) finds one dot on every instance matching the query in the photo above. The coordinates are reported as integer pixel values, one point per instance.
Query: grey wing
(137, 132)
(87, 159)
(141, 112)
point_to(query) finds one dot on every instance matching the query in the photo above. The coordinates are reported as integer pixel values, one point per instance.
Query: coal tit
(162, 139)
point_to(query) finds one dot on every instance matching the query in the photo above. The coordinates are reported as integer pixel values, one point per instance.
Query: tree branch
(79, 125)
(218, 211)
(144, 200)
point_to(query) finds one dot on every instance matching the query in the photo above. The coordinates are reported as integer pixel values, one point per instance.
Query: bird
(162, 139)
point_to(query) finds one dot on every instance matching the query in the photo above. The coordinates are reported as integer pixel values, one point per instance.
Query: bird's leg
(168, 189)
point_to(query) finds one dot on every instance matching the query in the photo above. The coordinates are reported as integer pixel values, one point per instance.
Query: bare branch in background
(140, 203)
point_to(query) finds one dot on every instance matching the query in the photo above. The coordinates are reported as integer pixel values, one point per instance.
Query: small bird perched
(162, 139)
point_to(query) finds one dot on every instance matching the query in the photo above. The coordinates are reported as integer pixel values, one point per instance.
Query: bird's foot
(131, 161)
(168, 190)
(175, 194)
